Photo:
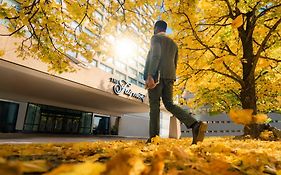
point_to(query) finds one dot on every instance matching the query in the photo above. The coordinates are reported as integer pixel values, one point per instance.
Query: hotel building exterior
(91, 100)
(104, 97)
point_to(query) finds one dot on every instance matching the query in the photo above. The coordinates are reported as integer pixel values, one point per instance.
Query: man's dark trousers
(165, 90)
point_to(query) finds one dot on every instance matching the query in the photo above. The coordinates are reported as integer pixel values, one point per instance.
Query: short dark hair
(161, 25)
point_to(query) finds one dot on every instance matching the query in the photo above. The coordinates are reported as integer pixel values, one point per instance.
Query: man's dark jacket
(162, 57)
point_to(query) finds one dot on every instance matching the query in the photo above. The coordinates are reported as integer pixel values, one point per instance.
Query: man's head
(160, 26)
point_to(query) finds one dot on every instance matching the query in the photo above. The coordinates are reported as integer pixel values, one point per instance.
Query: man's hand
(149, 83)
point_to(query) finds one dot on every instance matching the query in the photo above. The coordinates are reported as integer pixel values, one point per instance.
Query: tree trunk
(248, 90)
(248, 87)
(248, 100)
(248, 95)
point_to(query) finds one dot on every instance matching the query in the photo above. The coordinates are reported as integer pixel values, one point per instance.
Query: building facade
(104, 96)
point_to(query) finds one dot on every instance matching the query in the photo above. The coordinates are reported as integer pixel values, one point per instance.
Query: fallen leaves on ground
(216, 155)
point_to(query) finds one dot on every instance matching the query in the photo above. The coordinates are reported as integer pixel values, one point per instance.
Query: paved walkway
(26, 138)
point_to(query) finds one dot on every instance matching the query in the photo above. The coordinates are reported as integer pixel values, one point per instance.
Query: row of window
(133, 69)
(121, 76)
(134, 65)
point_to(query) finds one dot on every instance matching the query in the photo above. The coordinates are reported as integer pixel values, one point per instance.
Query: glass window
(141, 67)
(72, 56)
(74, 24)
(86, 123)
(98, 15)
(101, 125)
(142, 60)
(89, 32)
(106, 68)
(119, 65)
(107, 2)
(150, 8)
(94, 63)
(49, 119)
(120, 76)
(133, 63)
(133, 81)
(144, 21)
(141, 75)
(8, 116)
(82, 58)
(141, 84)
(119, 29)
(4, 22)
(89, 47)
(109, 60)
(133, 72)
(97, 28)
(142, 51)
(134, 26)
(69, 35)
(32, 118)
(11, 3)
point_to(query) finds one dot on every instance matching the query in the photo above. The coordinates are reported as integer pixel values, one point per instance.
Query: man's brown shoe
(149, 140)
(198, 132)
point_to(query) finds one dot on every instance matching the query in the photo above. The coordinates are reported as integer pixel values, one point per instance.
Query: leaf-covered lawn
(216, 155)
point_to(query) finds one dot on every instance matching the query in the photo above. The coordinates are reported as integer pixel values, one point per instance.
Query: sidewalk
(27, 138)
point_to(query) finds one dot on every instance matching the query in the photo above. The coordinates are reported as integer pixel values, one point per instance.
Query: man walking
(159, 76)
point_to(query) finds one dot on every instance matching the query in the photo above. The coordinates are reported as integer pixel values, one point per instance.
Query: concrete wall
(221, 125)
(137, 125)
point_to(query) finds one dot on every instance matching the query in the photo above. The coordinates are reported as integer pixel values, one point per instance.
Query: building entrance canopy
(22, 83)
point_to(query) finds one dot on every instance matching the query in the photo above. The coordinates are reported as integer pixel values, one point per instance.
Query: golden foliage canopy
(230, 52)
(229, 49)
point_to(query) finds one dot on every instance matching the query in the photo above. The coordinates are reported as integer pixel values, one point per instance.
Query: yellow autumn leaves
(245, 117)
(212, 56)
(223, 156)
(1, 53)
(56, 31)
(237, 22)
(86, 168)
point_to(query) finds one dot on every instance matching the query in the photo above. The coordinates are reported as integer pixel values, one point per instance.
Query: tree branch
(229, 50)
(237, 95)
(266, 10)
(261, 74)
(51, 39)
(232, 72)
(29, 19)
(221, 25)
(221, 73)
(10, 34)
(272, 59)
(257, 56)
(196, 36)
(229, 9)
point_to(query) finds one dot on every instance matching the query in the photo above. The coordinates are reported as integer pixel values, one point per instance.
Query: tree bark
(248, 89)
(248, 95)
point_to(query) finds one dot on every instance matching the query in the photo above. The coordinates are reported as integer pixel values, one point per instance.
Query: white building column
(164, 124)
(175, 128)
